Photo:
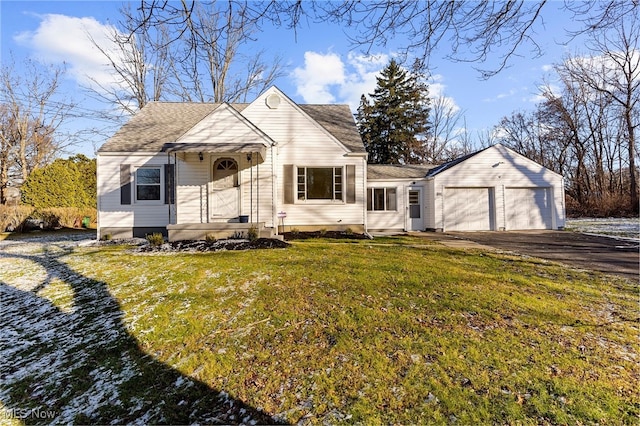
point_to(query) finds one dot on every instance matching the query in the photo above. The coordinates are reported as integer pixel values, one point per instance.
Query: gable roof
(398, 171)
(450, 164)
(156, 124)
(337, 120)
(159, 123)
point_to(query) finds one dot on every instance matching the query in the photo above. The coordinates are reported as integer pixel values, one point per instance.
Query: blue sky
(322, 67)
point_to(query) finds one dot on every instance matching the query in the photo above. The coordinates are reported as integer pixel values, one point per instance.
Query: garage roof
(398, 171)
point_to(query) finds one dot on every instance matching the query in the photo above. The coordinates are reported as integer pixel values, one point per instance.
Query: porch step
(219, 230)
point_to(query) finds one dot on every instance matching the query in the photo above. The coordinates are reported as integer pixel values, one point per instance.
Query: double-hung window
(320, 183)
(381, 199)
(148, 184)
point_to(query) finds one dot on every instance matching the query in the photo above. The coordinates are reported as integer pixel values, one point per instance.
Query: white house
(192, 169)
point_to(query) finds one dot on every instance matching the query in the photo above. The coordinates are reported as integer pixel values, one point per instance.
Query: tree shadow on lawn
(81, 365)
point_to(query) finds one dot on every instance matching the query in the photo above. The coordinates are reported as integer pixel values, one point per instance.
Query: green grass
(383, 331)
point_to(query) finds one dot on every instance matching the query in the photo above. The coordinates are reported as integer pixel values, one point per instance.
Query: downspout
(274, 199)
(251, 185)
(98, 197)
(504, 210)
(366, 194)
(169, 191)
(174, 193)
(257, 190)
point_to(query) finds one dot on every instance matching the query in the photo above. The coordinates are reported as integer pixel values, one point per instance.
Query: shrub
(13, 218)
(106, 237)
(63, 183)
(156, 239)
(237, 235)
(210, 238)
(65, 217)
(252, 233)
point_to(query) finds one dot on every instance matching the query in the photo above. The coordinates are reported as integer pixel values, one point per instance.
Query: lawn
(378, 332)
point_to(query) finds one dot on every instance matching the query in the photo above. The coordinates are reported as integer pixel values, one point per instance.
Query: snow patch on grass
(611, 227)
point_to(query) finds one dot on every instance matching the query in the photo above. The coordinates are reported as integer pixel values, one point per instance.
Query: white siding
(497, 168)
(223, 125)
(389, 220)
(303, 143)
(430, 198)
(192, 176)
(136, 214)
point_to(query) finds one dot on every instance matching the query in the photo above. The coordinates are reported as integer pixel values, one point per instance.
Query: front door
(225, 191)
(415, 220)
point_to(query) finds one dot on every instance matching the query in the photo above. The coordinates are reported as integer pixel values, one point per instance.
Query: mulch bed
(339, 235)
(235, 244)
(208, 246)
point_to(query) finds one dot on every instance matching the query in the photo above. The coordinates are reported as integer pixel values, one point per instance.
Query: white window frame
(301, 187)
(371, 199)
(159, 200)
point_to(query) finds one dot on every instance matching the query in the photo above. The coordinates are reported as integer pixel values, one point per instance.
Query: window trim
(160, 184)
(298, 190)
(371, 200)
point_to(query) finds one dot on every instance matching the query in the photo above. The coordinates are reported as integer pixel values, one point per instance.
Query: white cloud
(319, 74)
(64, 39)
(438, 95)
(362, 78)
(547, 68)
(327, 78)
(436, 85)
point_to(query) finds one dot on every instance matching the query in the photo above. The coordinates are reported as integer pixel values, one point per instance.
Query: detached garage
(495, 189)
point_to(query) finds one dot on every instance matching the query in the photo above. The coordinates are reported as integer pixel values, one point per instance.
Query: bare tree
(615, 73)
(472, 30)
(139, 59)
(446, 138)
(30, 114)
(186, 51)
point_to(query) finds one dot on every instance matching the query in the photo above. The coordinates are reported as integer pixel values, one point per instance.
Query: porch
(221, 190)
(218, 230)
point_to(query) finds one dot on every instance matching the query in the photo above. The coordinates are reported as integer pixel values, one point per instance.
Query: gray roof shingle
(337, 120)
(162, 122)
(398, 171)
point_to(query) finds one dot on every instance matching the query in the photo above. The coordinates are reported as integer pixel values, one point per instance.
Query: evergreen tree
(63, 183)
(396, 120)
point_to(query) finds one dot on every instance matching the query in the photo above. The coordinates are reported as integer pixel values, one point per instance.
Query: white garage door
(468, 209)
(528, 208)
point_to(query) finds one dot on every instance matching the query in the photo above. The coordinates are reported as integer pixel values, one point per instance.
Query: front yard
(383, 331)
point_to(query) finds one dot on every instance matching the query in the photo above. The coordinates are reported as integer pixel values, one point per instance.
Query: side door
(415, 211)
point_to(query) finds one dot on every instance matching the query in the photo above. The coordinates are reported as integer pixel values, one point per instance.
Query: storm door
(225, 191)
(414, 210)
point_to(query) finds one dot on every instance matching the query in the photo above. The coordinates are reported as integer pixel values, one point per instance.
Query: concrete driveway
(584, 251)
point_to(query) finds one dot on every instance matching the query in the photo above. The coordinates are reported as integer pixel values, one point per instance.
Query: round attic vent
(273, 101)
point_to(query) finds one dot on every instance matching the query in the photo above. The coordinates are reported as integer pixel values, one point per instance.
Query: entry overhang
(218, 148)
